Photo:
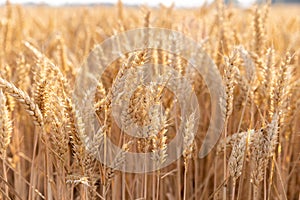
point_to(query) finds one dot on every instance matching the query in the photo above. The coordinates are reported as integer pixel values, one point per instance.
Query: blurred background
(178, 3)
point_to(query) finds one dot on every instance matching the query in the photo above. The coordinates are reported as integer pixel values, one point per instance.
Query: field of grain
(43, 148)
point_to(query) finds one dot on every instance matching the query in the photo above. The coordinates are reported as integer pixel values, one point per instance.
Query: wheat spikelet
(232, 139)
(93, 144)
(236, 160)
(260, 85)
(258, 158)
(263, 147)
(59, 139)
(130, 81)
(31, 108)
(100, 101)
(136, 59)
(258, 33)
(157, 135)
(272, 135)
(5, 126)
(100, 95)
(281, 90)
(188, 139)
(51, 67)
(76, 134)
(229, 72)
(42, 87)
(248, 63)
(137, 110)
(244, 87)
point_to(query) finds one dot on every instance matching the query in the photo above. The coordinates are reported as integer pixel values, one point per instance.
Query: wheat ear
(5, 126)
(22, 97)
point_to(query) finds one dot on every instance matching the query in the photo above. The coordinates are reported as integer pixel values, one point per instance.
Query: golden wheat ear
(22, 97)
(5, 126)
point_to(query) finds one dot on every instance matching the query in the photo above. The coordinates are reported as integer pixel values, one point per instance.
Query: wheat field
(42, 135)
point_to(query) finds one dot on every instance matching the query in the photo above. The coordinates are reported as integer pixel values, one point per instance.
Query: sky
(180, 3)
